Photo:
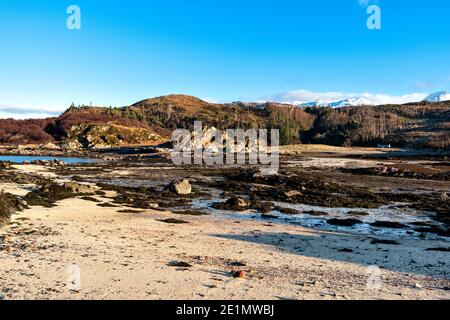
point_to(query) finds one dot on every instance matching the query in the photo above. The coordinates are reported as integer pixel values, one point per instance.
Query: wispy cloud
(302, 96)
(28, 112)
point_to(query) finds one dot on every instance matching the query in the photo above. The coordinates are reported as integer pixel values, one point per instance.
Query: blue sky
(218, 50)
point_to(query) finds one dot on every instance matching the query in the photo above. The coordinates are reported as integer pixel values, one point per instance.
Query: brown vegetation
(413, 125)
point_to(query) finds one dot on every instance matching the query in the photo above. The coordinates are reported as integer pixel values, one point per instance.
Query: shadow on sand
(407, 257)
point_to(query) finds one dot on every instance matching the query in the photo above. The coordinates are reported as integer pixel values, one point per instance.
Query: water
(22, 159)
(384, 213)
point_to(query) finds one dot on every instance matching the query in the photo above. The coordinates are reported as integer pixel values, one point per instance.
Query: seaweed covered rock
(233, 204)
(5, 164)
(75, 187)
(9, 204)
(344, 222)
(52, 192)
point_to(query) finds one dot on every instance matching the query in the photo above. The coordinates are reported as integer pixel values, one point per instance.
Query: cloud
(210, 100)
(28, 112)
(303, 96)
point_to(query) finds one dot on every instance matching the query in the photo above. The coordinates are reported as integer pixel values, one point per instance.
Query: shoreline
(122, 251)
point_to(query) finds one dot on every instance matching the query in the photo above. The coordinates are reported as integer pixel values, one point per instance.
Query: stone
(344, 222)
(181, 187)
(233, 204)
(239, 274)
(388, 224)
(268, 216)
(292, 193)
(75, 187)
(180, 264)
(5, 164)
(153, 205)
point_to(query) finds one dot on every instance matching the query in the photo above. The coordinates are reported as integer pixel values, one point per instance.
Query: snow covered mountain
(335, 103)
(438, 97)
(368, 101)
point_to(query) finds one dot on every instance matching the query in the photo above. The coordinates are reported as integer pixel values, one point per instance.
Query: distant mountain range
(440, 96)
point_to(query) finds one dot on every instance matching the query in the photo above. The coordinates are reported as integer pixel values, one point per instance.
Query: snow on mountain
(438, 97)
(335, 103)
(371, 101)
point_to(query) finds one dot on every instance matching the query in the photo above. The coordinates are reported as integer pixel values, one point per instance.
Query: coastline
(135, 255)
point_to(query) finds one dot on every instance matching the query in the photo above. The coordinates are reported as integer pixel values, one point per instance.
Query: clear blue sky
(218, 49)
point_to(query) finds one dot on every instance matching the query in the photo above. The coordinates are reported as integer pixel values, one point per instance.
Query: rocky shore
(137, 226)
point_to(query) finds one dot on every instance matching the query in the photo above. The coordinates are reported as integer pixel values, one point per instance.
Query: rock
(382, 241)
(315, 213)
(180, 264)
(153, 205)
(268, 216)
(292, 193)
(239, 274)
(346, 250)
(174, 221)
(59, 162)
(5, 164)
(439, 249)
(287, 210)
(181, 187)
(51, 146)
(358, 213)
(263, 206)
(238, 202)
(388, 170)
(75, 187)
(344, 222)
(233, 204)
(388, 224)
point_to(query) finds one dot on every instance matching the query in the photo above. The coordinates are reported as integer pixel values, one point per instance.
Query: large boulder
(75, 187)
(181, 187)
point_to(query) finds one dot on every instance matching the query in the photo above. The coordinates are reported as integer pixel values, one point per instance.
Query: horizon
(256, 51)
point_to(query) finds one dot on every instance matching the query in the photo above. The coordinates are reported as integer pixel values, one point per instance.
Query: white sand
(126, 256)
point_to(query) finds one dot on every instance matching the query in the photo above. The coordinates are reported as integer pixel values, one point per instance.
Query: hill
(151, 121)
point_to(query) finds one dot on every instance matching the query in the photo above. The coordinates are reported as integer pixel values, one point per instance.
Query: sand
(78, 250)
(128, 256)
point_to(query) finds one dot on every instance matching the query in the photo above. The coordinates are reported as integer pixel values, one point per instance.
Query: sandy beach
(135, 255)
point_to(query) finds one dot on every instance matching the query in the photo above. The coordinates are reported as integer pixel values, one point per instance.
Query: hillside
(152, 120)
(79, 128)
(411, 125)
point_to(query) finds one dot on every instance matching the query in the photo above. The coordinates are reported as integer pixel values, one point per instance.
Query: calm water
(22, 159)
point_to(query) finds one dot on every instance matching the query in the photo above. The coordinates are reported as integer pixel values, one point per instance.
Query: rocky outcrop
(101, 136)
